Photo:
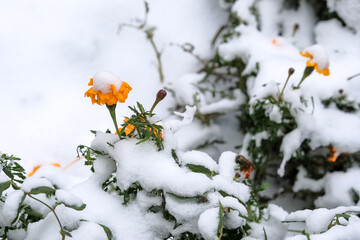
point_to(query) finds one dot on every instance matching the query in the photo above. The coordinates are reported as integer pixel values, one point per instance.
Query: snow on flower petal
(318, 58)
(107, 89)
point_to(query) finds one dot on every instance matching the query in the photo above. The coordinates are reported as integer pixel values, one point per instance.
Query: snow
(318, 220)
(199, 158)
(103, 80)
(35, 182)
(208, 223)
(68, 198)
(155, 170)
(290, 143)
(3, 178)
(227, 165)
(11, 206)
(347, 10)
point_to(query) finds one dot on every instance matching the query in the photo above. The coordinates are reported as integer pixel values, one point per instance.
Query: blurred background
(50, 49)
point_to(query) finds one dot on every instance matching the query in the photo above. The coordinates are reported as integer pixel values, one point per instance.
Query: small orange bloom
(110, 98)
(318, 59)
(334, 154)
(129, 128)
(275, 42)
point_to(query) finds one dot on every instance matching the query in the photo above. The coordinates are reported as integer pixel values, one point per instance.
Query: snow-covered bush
(139, 175)
(289, 116)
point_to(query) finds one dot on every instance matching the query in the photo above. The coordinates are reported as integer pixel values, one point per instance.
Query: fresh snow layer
(68, 198)
(103, 80)
(155, 170)
(11, 206)
(35, 182)
(208, 223)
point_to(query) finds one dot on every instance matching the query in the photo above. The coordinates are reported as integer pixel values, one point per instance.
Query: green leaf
(4, 186)
(141, 108)
(182, 197)
(107, 231)
(155, 209)
(65, 233)
(82, 207)
(221, 221)
(42, 189)
(201, 169)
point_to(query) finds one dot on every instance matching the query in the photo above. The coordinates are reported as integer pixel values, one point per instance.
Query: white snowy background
(51, 49)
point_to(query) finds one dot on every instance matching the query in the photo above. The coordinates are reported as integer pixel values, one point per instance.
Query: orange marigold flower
(129, 128)
(107, 89)
(37, 167)
(318, 59)
(334, 154)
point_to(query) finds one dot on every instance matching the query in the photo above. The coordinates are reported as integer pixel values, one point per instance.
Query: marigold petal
(91, 82)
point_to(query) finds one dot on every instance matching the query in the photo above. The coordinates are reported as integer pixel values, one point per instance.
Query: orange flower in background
(246, 167)
(334, 154)
(318, 59)
(37, 167)
(110, 98)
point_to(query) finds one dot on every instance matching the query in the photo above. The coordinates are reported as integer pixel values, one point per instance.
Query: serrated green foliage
(89, 153)
(142, 128)
(12, 169)
(110, 186)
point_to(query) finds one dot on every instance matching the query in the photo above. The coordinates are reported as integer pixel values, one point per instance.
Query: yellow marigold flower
(318, 59)
(107, 89)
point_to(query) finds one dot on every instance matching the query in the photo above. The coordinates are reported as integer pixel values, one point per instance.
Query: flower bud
(161, 95)
(291, 71)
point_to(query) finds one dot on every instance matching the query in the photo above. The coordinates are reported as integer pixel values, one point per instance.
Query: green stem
(158, 57)
(282, 91)
(57, 218)
(307, 72)
(111, 109)
(53, 210)
(153, 107)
